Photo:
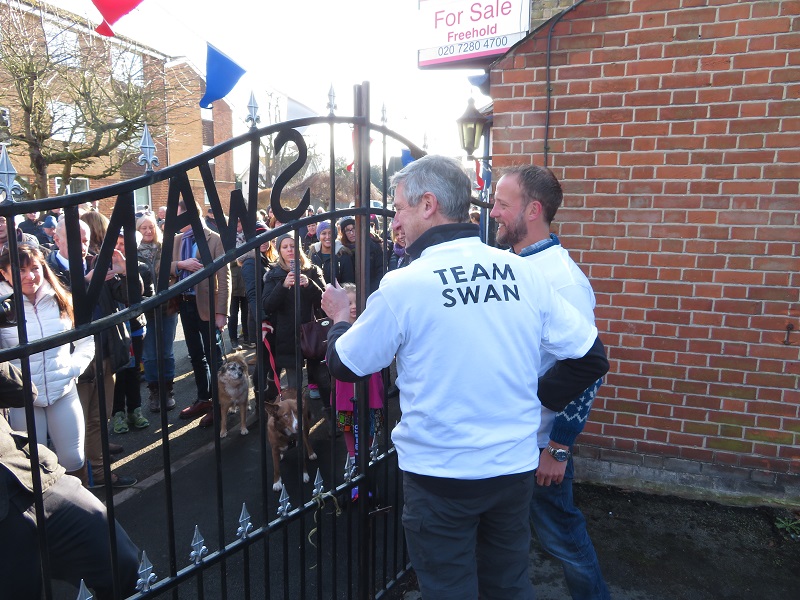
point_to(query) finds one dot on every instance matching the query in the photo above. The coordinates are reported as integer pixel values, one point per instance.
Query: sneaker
(249, 345)
(236, 348)
(198, 409)
(119, 423)
(137, 419)
(117, 481)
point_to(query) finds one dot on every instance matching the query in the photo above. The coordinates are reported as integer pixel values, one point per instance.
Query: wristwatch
(559, 454)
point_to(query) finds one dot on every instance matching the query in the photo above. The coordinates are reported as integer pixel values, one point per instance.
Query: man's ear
(429, 204)
(535, 210)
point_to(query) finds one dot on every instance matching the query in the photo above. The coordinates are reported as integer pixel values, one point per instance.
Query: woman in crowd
(398, 258)
(322, 251)
(347, 236)
(98, 224)
(255, 265)
(48, 311)
(279, 305)
(150, 252)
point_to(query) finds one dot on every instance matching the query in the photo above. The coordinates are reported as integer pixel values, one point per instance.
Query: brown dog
(283, 428)
(234, 392)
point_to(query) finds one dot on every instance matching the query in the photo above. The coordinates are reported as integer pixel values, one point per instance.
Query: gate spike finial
(318, 485)
(83, 592)
(285, 505)
(146, 575)
(349, 467)
(148, 156)
(244, 523)
(8, 176)
(252, 112)
(198, 549)
(331, 101)
(374, 449)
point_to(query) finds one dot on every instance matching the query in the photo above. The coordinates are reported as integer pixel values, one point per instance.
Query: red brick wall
(675, 130)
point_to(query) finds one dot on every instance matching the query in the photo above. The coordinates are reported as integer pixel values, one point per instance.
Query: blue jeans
(463, 548)
(195, 332)
(561, 530)
(149, 355)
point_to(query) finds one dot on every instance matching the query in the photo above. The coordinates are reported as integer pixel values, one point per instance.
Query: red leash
(267, 328)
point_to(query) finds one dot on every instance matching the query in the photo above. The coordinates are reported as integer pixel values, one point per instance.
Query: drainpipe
(549, 88)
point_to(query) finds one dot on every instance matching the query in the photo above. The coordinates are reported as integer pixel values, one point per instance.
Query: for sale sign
(455, 31)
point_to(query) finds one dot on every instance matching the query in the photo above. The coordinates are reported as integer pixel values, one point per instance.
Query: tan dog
(283, 428)
(234, 392)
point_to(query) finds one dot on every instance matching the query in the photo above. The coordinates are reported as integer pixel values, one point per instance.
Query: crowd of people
(475, 481)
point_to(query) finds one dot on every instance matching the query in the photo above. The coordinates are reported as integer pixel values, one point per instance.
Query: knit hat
(345, 221)
(261, 227)
(49, 222)
(322, 226)
(280, 238)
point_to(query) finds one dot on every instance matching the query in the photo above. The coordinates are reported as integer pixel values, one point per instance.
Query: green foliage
(789, 526)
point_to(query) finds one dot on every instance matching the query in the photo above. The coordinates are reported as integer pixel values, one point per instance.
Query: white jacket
(53, 371)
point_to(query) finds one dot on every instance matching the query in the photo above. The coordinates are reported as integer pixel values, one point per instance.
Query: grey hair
(442, 176)
(62, 224)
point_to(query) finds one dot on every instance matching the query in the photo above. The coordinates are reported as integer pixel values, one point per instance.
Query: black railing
(316, 543)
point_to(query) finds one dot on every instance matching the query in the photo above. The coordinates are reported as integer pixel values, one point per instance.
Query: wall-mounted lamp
(470, 129)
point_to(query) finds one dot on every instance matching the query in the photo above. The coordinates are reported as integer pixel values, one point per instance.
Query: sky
(300, 48)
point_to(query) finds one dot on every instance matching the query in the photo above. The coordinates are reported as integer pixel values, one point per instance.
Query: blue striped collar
(540, 245)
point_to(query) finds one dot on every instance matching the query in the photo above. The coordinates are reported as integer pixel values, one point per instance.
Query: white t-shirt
(465, 322)
(570, 283)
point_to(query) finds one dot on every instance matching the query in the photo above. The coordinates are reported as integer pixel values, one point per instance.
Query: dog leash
(224, 347)
(267, 328)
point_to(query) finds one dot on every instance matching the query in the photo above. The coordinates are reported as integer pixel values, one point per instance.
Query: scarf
(187, 251)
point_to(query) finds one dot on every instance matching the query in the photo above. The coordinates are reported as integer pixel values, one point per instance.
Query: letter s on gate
(283, 215)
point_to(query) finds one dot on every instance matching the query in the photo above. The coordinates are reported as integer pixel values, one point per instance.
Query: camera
(8, 311)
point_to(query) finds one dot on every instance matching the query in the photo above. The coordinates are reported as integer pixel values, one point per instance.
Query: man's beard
(513, 233)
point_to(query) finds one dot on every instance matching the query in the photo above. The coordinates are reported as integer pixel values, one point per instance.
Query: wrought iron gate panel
(358, 554)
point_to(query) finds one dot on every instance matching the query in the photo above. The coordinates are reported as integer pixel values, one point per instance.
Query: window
(127, 66)
(62, 44)
(5, 124)
(141, 198)
(67, 126)
(77, 184)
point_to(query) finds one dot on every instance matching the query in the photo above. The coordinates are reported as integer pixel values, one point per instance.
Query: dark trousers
(238, 304)
(463, 548)
(127, 384)
(77, 536)
(561, 529)
(198, 344)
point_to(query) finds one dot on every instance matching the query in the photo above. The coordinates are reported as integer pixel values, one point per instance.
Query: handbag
(314, 338)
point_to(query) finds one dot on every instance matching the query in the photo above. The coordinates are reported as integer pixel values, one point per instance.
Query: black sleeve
(568, 378)
(12, 394)
(336, 367)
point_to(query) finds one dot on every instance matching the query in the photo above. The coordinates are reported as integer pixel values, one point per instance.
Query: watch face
(559, 454)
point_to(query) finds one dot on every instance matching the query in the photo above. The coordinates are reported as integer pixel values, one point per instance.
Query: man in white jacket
(526, 200)
(467, 439)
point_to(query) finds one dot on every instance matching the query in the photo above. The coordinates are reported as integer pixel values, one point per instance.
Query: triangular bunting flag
(113, 11)
(222, 74)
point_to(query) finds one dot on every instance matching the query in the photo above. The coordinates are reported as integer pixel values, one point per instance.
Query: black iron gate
(314, 542)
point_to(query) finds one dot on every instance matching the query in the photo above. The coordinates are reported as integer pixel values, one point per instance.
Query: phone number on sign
(473, 46)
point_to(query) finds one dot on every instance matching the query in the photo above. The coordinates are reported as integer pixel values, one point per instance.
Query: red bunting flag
(113, 11)
(478, 179)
